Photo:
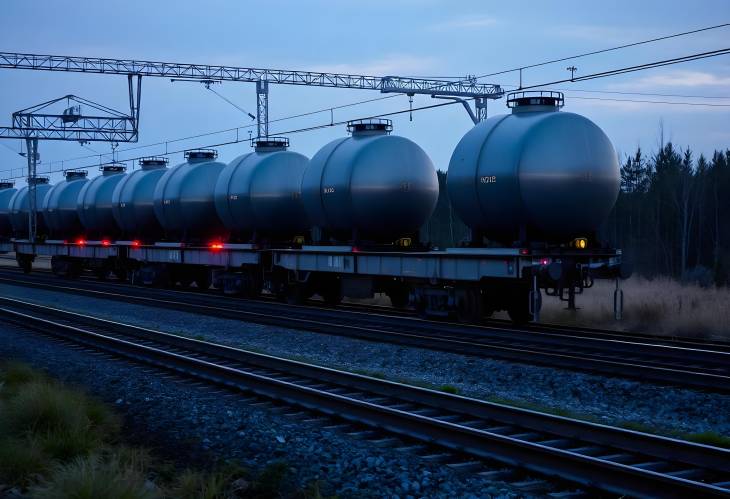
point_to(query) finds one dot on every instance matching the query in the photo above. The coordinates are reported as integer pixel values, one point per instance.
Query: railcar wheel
(295, 294)
(203, 279)
(399, 295)
(519, 308)
(469, 305)
(332, 295)
(25, 263)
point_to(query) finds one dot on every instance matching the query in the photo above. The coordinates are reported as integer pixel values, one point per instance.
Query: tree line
(672, 216)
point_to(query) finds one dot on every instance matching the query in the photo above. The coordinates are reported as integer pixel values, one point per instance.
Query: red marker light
(524, 251)
(135, 244)
(544, 261)
(106, 242)
(80, 242)
(216, 246)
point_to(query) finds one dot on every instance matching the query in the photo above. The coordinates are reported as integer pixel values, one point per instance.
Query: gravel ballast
(197, 425)
(613, 401)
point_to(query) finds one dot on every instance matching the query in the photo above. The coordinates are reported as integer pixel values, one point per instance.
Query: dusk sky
(395, 37)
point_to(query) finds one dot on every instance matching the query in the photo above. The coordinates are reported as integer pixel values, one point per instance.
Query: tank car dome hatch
(133, 199)
(369, 186)
(19, 207)
(535, 174)
(7, 191)
(95, 201)
(60, 206)
(184, 200)
(259, 192)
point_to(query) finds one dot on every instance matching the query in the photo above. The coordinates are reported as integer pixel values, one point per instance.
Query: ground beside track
(608, 400)
(198, 425)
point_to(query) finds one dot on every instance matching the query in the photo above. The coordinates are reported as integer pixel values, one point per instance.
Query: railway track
(689, 364)
(591, 455)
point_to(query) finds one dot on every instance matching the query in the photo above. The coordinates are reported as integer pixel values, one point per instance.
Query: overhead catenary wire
(239, 139)
(705, 104)
(602, 51)
(231, 130)
(631, 69)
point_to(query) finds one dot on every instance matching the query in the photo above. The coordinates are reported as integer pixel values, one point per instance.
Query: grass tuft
(21, 460)
(710, 438)
(449, 389)
(92, 477)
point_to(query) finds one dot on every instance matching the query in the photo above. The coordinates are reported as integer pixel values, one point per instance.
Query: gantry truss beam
(85, 129)
(457, 88)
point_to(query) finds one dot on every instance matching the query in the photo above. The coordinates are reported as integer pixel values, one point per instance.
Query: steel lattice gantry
(463, 89)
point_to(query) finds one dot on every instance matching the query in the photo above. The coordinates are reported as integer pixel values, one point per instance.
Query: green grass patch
(709, 438)
(449, 389)
(57, 442)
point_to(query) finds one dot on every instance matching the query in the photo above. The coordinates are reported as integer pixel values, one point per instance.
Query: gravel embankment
(200, 425)
(608, 400)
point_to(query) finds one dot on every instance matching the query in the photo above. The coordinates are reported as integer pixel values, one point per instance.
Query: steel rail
(593, 455)
(687, 367)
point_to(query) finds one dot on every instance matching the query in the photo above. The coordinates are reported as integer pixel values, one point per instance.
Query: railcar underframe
(466, 283)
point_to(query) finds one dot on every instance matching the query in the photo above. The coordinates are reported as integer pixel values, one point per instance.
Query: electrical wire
(232, 103)
(231, 130)
(594, 52)
(705, 104)
(645, 94)
(239, 140)
(639, 67)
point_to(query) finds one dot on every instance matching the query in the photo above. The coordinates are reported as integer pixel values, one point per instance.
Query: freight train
(533, 186)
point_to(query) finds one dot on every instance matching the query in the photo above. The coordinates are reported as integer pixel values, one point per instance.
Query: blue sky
(396, 37)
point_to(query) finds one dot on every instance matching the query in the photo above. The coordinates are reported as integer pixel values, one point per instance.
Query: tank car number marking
(233, 197)
(334, 261)
(173, 255)
(328, 190)
(488, 179)
(122, 205)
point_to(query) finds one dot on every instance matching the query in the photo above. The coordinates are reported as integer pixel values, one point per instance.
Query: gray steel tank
(20, 206)
(370, 186)
(7, 191)
(94, 202)
(184, 200)
(537, 174)
(259, 192)
(133, 200)
(60, 206)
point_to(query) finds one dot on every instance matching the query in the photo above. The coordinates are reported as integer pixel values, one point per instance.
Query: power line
(228, 130)
(645, 94)
(288, 132)
(639, 67)
(706, 104)
(232, 103)
(586, 54)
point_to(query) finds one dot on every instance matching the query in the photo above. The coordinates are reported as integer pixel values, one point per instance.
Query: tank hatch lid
(201, 154)
(153, 163)
(539, 100)
(7, 184)
(39, 180)
(75, 174)
(370, 126)
(270, 144)
(113, 168)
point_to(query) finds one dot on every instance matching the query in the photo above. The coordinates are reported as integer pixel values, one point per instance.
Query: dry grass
(660, 306)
